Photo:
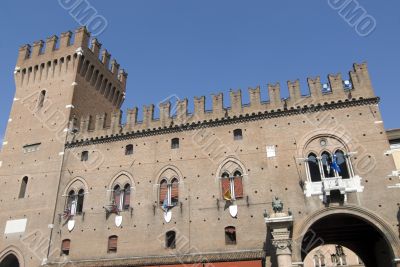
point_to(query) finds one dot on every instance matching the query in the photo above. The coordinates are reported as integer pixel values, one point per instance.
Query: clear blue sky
(192, 48)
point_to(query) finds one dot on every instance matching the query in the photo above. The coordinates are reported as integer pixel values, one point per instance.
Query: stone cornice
(224, 121)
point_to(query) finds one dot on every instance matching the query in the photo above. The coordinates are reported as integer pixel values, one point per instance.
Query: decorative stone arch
(303, 143)
(12, 250)
(380, 225)
(230, 165)
(169, 172)
(76, 184)
(122, 183)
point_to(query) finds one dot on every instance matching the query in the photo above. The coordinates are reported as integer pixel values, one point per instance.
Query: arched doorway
(353, 232)
(10, 261)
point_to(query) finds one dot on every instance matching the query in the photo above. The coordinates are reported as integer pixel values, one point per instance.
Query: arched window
(42, 96)
(129, 149)
(71, 202)
(326, 160)
(163, 191)
(112, 244)
(117, 196)
(65, 246)
(22, 189)
(342, 162)
(170, 239)
(232, 186)
(313, 167)
(230, 235)
(169, 193)
(174, 143)
(174, 192)
(237, 134)
(79, 206)
(127, 196)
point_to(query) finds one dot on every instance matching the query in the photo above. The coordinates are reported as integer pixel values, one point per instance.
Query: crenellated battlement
(71, 53)
(337, 90)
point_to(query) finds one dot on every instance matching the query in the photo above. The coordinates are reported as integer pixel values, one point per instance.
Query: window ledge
(324, 187)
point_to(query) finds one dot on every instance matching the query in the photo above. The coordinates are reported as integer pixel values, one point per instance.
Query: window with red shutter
(174, 192)
(225, 184)
(65, 245)
(163, 191)
(238, 187)
(112, 244)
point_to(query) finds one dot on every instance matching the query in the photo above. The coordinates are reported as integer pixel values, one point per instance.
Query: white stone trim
(349, 185)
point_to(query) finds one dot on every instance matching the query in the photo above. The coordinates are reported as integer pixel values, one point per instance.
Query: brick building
(194, 188)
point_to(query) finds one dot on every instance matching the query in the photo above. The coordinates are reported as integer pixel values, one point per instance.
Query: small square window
(230, 235)
(129, 149)
(174, 143)
(85, 156)
(237, 134)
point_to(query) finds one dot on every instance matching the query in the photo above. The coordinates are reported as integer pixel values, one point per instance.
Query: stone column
(280, 226)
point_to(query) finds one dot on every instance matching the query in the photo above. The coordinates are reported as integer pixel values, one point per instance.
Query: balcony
(327, 185)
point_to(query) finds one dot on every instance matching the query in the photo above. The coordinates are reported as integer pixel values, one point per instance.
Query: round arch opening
(352, 232)
(10, 261)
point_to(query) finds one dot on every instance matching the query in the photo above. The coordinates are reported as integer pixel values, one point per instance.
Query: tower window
(237, 134)
(22, 190)
(174, 143)
(127, 196)
(85, 156)
(129, 149)
(170, 239)
(230, 235)
(65, 246)
(42, 96)
(112, 244)
(80, 198)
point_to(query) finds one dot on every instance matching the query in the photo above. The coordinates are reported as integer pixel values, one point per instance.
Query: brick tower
(55, 83)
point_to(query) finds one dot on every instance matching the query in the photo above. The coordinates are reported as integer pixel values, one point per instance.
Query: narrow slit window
(65, 247)
(230, 235)
(22, 190)
(237, 134)
(170, 239)
(42, 96)
(174, 143)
